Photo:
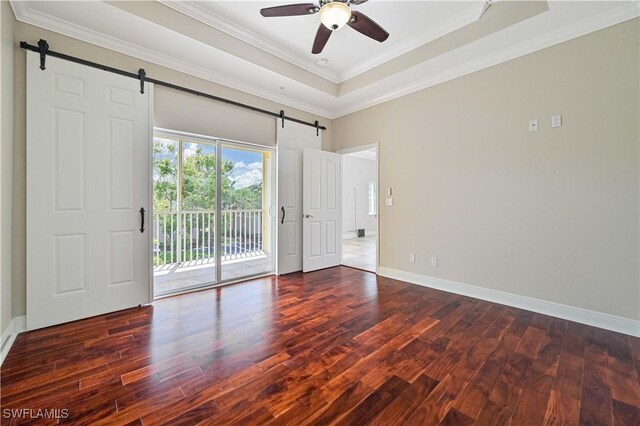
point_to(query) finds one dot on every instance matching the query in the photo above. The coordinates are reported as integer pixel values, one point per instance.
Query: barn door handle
(283, 215)
(141, 219)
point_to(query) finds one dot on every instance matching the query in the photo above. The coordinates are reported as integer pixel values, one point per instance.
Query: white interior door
(88, 162)
(291, 139)
(321, 200)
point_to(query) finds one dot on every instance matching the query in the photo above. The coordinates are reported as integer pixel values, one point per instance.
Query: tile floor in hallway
(360, 253)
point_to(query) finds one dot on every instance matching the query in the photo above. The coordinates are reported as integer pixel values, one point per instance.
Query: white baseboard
(15, 327)
(571, 313)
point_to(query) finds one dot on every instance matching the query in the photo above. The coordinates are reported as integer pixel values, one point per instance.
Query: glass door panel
(188, 260)
(165, 211)
(246, 240)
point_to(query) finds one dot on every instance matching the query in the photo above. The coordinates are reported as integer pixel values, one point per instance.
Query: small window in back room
(372, 198)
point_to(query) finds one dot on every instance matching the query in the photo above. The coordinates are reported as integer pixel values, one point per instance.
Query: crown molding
(19, 8)
(24, 13)
(589, 25)
(452, 24)
(196, 11)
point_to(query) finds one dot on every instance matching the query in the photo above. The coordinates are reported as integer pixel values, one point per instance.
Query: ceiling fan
(334, 14)
(485, 8)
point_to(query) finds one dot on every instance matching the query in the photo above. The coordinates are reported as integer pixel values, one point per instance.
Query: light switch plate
(556, 120)
(533, 125)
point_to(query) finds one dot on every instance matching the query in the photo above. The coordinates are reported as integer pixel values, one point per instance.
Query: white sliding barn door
(88, 162)
(321, 204)
(291, 140)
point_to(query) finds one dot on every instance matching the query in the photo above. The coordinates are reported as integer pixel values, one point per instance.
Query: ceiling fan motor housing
(335, 14)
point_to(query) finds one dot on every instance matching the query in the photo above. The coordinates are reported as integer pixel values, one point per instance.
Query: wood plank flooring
(339, 346)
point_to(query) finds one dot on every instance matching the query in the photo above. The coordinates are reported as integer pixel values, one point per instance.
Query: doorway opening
(212, 219)
(360, 207)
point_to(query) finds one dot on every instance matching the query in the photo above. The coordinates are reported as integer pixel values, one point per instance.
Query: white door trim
(150, 202)
(358, 148)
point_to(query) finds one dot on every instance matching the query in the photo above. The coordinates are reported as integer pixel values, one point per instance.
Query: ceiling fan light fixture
(335, 15)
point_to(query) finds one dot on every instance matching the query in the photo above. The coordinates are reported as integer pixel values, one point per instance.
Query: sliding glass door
(212, 220)
(245, 232)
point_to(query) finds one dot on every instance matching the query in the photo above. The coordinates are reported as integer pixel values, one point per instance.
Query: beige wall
(172, 110)
(552, 214)
(6, 160)
(187, 113)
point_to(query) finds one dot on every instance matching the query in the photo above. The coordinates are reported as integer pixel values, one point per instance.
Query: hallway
(360, 253)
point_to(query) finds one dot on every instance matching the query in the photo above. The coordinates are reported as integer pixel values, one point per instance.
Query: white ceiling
(229, 43)
(409, 23)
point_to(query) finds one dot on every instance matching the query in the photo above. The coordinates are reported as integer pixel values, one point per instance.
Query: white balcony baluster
(191, 235)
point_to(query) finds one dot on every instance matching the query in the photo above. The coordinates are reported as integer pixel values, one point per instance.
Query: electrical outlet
(388, 201)
(434, 261)
(556, 121)
(412, 258)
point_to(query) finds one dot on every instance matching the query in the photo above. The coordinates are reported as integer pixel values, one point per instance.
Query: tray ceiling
(410, 24)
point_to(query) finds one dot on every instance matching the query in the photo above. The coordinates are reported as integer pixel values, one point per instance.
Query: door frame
(359, 148)
(218, 143)
(150, 201)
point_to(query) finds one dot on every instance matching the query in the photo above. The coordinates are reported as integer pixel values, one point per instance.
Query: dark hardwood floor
(335, 346)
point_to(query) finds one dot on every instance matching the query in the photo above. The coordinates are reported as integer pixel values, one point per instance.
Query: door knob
(306, 216)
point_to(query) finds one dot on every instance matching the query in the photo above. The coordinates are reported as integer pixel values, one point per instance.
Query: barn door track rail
(43, 49)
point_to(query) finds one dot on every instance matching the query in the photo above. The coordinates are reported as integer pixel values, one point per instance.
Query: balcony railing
(190, 236)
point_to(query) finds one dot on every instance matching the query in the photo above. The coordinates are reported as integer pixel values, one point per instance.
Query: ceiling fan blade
(289, 10)
(365, 25)
(485, 8)
(357, 2)
(322, 37)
